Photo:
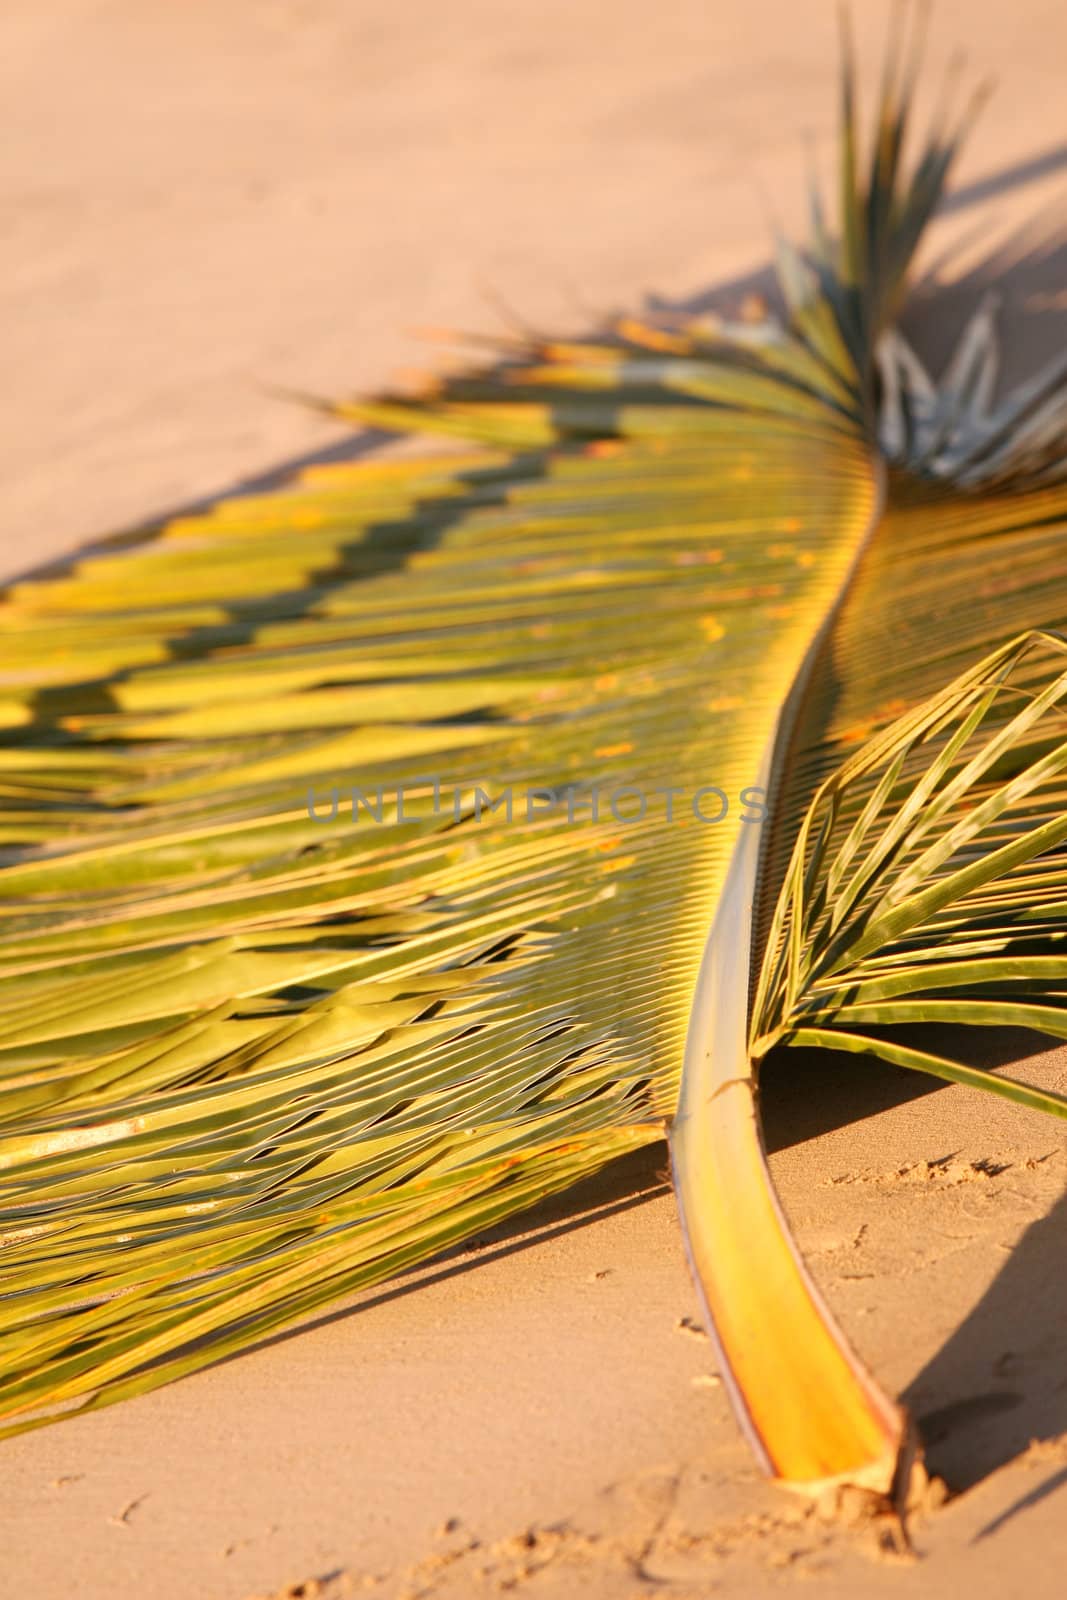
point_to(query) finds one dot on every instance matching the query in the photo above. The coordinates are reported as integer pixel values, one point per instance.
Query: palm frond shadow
(806, 1093)
(1026, 271)
(996, 1385)
(1016, 176)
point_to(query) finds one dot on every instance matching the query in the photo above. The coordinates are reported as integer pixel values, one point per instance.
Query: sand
(209, 202)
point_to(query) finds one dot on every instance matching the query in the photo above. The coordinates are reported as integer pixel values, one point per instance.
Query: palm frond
(262, 1047)
(276, 1058)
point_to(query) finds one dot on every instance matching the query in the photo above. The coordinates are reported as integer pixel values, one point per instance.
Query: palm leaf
(281, 1059)
(254, 1059)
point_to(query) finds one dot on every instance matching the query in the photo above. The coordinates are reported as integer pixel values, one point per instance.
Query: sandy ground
(203, 201)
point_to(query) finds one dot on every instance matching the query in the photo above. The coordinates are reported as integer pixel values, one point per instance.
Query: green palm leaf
(254, 1058)
(282, 1058)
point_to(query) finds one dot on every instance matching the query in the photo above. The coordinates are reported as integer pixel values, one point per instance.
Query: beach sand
(208, 203)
